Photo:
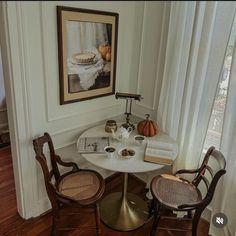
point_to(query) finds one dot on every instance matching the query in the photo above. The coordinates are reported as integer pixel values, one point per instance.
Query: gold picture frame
(87, 48)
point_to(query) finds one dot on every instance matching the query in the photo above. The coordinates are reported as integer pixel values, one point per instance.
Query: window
(213, 136)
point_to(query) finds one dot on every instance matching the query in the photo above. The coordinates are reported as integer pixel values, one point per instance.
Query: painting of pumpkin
(105, 50)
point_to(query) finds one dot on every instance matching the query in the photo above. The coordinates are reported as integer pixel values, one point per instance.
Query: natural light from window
(213, 136)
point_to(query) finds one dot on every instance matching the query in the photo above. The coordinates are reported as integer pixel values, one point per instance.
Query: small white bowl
(139, 139)
(126, 152)
(109, 150)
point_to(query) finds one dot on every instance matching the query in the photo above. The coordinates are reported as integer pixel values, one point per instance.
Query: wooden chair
(171, 192)
(76, 188)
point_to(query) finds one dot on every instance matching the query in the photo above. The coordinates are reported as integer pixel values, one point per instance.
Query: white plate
(128, 156)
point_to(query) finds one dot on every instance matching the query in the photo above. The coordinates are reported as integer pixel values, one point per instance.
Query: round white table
(122, 210)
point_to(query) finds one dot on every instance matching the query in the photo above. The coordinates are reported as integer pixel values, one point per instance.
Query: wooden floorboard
(11, 224)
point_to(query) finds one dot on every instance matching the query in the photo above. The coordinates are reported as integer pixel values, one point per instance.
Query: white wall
(2, 87)
(40, 39)
(3, 109)
(151, 31)
(31, 65)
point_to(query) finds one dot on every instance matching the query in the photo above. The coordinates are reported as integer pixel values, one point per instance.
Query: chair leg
(53, 232)
(189, 215)
(97, 219)
(195, 222)
(157, 215)
(54, 223)
(151, 207)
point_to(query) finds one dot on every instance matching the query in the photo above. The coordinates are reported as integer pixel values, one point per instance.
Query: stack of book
(160, 152)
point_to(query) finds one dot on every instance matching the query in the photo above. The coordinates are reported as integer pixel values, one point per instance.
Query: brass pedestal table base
(123, 211)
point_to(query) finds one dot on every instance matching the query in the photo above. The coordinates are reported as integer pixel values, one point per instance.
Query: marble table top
(117, 163)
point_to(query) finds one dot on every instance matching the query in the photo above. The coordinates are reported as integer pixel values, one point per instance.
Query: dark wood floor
(12, 224)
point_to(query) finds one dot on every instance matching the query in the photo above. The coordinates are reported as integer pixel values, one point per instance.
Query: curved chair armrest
(183, 171)
(67, 164)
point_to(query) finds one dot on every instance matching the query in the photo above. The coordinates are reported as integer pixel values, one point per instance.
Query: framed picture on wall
(87, 48)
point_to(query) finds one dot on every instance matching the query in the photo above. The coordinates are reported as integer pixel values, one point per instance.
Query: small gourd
(104, 49)
(108, 55)
(147, 127)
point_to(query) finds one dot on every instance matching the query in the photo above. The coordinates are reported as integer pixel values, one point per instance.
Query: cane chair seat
(173, 192)
(80, 185)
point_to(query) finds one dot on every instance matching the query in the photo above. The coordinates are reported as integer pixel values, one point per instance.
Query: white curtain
(225, 198)
(84, 36)
(197, 38)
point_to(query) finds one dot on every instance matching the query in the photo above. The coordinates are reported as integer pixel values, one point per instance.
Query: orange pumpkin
(104, 49)
(147, 127)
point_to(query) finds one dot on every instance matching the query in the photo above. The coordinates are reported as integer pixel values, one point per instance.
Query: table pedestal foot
(123, 213)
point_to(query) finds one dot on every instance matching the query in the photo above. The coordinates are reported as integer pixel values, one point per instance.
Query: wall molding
(160, 56)
(70, 135)
(15, 53)
(103, 110)
(142, 48)
(158, 60)
(45, 59)
(30, 208)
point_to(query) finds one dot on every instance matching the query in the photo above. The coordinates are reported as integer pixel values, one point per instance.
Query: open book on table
(93, 144)
(160, 152)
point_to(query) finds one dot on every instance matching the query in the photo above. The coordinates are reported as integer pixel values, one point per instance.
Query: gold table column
(123, 211)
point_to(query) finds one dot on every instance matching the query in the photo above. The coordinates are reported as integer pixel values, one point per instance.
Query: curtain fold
(197, 40)
(198, 35)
